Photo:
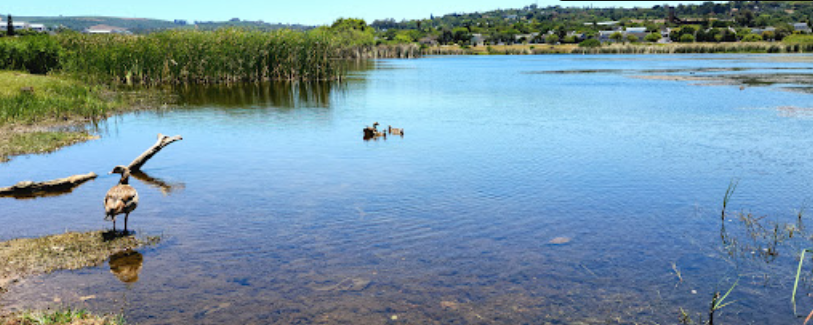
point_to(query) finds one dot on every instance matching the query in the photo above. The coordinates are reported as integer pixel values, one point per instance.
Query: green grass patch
(28, 99)
(38, 142)
(66, 316)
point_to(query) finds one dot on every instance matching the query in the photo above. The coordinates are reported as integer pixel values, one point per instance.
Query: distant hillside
(144, 25)
(135, 25)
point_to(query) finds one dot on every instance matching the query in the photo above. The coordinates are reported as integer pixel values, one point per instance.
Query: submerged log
(32, 189)
(162, 142)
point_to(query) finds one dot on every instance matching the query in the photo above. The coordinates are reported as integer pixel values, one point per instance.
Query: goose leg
(114, 225)
(126, 215)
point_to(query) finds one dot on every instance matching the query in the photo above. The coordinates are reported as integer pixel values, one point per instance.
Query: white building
(19, 25)
(37, 27)
(802, 27)
(104, 29)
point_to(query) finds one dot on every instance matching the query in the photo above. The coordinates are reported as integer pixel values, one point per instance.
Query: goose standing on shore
(122, 198)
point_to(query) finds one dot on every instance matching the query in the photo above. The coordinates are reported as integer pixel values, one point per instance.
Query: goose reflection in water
(126, 265)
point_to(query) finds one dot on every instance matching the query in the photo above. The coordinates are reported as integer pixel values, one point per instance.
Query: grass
(31, 106)
(38, 142)
(68, 251)
(53, 98)
(65, 316)
(729, 192)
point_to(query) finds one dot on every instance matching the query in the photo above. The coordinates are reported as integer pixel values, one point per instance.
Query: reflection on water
(62, 189)
(274, 94)
(126, 265)
(165, 187)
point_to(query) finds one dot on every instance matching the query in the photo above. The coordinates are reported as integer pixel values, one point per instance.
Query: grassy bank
(791, 46)
(13, 144)
(32, 105)
(28, 99)
(60, 317)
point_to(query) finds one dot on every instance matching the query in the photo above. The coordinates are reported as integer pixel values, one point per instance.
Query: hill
(145, 25)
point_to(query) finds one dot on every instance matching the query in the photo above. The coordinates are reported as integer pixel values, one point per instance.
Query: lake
(554, 189)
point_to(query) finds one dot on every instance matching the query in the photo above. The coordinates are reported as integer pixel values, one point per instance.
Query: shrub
(752, 38)
(653, 37)
(590, 43)
(686, 38)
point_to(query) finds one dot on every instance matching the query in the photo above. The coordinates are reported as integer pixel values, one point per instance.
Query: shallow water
(276, 211)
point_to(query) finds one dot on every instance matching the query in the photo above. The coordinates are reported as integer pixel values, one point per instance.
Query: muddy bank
(25, 257)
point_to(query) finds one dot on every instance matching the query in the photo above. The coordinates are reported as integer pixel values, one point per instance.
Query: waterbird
(121, 198)
(395, 131)
(372, 132)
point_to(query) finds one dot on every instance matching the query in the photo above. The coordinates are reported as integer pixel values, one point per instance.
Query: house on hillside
(639, 32)
(37, 27)
(478, 39)
(520, 38)
(604, 35)
(19, 25)
(603, 23)
(105, 29)
(576, 35)
(802, 27)
(759, 31)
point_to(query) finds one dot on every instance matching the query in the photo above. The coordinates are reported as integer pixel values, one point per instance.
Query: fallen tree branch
(62, 184)
(162, 142)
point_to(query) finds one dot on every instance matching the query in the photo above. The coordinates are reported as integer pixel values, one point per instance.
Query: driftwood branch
(62, 185)
(162, 142)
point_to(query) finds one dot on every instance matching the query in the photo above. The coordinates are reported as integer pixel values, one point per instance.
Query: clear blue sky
(313, 12)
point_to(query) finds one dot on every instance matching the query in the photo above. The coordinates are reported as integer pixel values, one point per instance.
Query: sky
(313, 12)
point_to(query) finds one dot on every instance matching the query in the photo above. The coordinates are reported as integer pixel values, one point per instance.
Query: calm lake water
(274, 210)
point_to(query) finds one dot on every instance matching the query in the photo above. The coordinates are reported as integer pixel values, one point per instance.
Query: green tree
(686, 38)
(768, 35)
(652, 37)
(552, 39)
(10, 27)
(632, 38)
(752, 38)
(461, 34)
(569, 39)
(590, 43)
(617, 36)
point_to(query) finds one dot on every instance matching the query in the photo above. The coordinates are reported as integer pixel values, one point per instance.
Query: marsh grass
(188, 56)
(68, 251)
(52, 98)
(66, 316)
(729, 192)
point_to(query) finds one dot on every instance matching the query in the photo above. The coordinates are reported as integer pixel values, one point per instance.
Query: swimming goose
(122, 198)
(395, 131)
(372, 132)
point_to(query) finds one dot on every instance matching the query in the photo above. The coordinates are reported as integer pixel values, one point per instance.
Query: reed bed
(38, 54)
(382, 51)
(755, 47)
(226, 55)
